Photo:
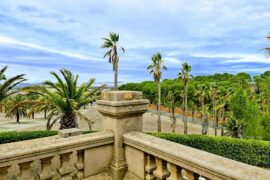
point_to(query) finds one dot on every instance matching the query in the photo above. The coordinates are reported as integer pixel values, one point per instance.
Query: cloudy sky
(38, 36)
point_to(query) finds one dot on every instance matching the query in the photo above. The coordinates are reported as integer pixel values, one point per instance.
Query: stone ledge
(64, 133)
(122, 103)
(45, 147)
(204, 163)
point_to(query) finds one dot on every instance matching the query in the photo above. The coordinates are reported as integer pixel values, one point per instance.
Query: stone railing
(161, 159)
(57, 158)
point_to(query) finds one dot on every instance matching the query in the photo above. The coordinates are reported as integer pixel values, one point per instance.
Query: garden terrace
(119, 152)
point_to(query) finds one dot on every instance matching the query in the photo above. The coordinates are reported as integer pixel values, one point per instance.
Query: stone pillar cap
(121, 95)
(121, 104)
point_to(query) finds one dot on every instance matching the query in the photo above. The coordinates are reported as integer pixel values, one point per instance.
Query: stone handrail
(56, 158)
(160, 159)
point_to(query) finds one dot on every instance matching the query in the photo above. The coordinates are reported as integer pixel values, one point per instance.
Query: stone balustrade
(71, 158)
(151, 158)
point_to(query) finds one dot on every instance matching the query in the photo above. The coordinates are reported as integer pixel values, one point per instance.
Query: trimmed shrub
(253, 152)
(14, 136)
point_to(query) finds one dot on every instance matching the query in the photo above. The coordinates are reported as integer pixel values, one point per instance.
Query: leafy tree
(185, 76)
(156, 68)
(63, 99)
(110, 43)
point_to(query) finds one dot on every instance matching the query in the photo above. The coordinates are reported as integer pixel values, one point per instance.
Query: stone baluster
(79, 165)
(122, 111)
(161, 172)
(65, 171)
(26, 171)
(190, 175)
(150, 167)
(176, 173)
(46, 172)
(4, 172)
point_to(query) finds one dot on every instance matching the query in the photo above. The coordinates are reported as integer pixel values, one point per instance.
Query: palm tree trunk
(116, 76)
(45, 113)
(185, 111)
(193, 113)
(216, 122)
(223, 121)
(173, 120)
(216, 119)
(159, 99)
(205, 125)
(68, 121)
(17, 117)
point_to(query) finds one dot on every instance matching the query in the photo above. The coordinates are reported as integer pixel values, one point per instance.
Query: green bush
(14, 136)
(253, 152)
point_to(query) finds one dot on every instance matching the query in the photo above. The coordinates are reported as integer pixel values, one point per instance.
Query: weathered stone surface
(122, 111)
(63, 133)
(135, 162)
(121, 95)
(194, 160)
(97, 160)
(52, 157)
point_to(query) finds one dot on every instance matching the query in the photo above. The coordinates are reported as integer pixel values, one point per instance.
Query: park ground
(149, 123)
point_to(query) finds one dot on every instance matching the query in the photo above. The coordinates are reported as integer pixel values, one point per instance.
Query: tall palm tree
(185, 76)
(62, 99)
(156, 69)
(7, 86)
(14, 110)
(110, 43)
(214, 94)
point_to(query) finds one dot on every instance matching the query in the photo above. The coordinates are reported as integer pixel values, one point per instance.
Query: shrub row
(253, 152)
(14, 136)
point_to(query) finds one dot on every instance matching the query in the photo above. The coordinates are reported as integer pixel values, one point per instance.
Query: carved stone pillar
(4, 172)
(122, 111)
(26, 171)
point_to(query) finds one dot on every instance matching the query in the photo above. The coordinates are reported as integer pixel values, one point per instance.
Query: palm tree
(156, 69)
(205, 124)
(267, 50)
(235, 128)
(112, 53)
(14, 109)
(172, 105)
(62, 99)
(214, 93)
(185, 76)
(7, 86)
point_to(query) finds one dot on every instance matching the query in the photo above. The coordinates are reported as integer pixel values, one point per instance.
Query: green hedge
(253, 152)
(14, 136)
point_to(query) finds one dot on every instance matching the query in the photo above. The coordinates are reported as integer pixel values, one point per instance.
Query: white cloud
(172, 61)
(11, 41)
